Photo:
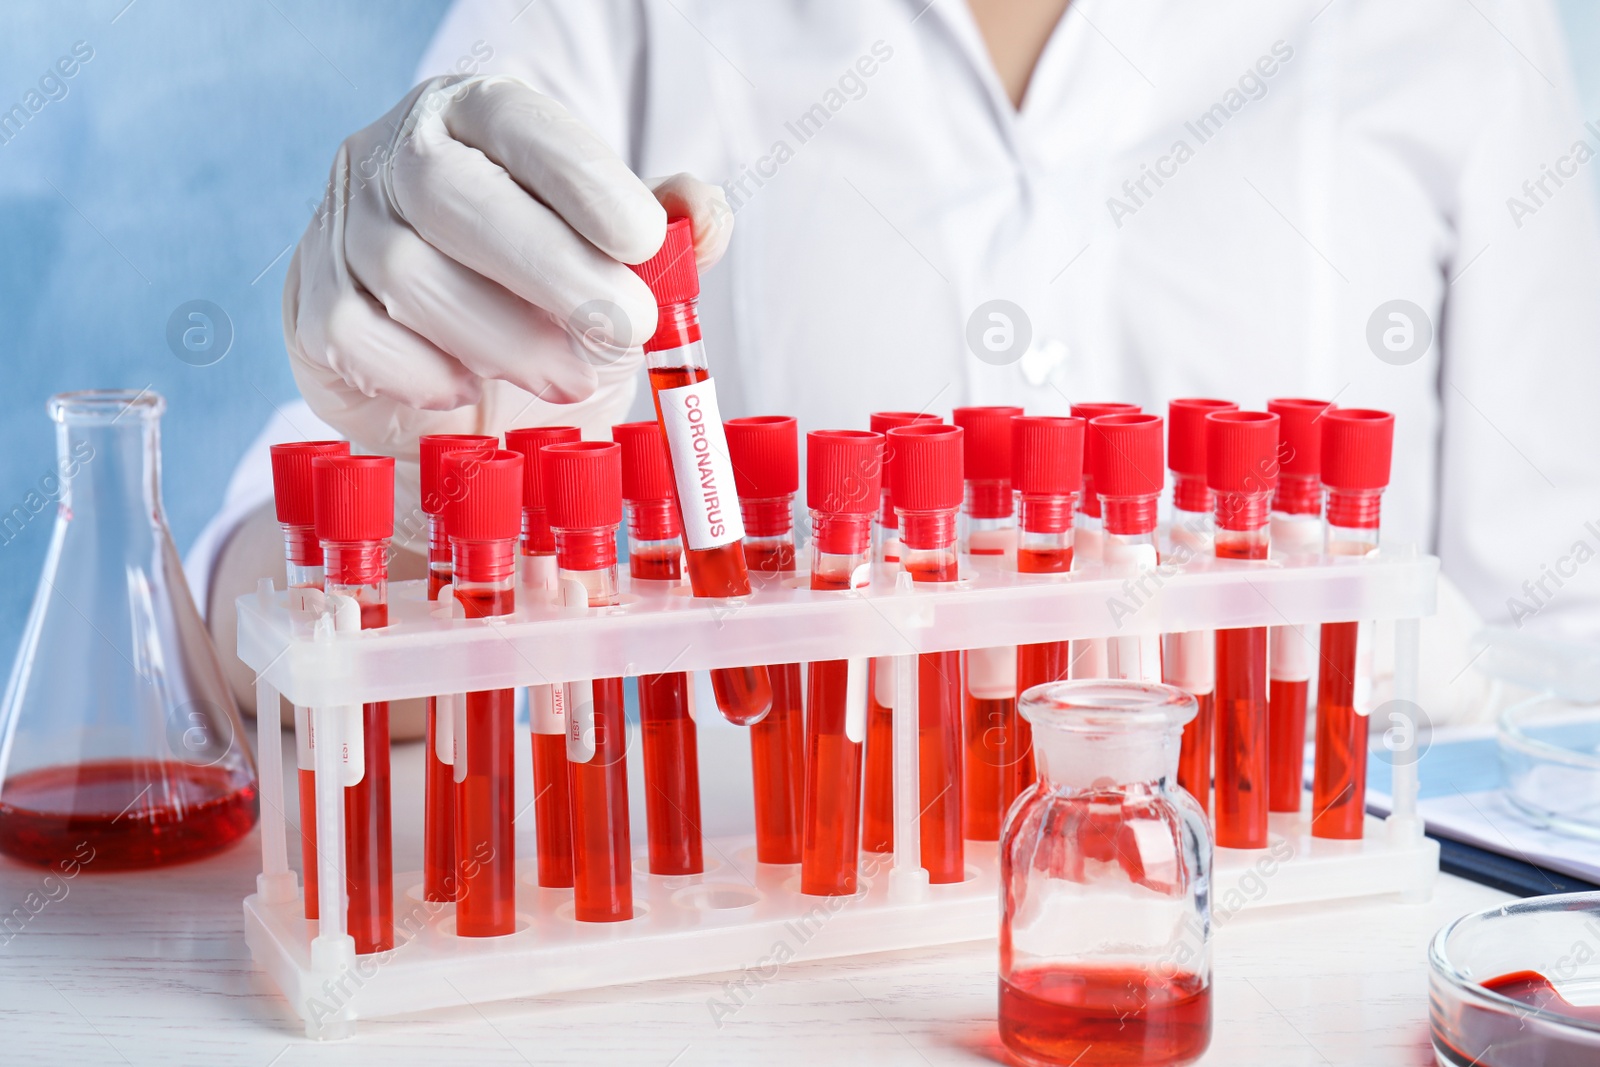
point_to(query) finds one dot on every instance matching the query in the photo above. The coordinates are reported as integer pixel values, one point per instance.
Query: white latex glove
(465, 272)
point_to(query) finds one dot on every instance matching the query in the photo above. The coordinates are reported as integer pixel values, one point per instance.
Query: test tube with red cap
(1189, 660)
(552, 788)
(666, 701)
(438, 776)
(1241, 469)
(583, 495)
(988, 530)
(766, 471)
(1047, 465)
(686, 407)
(1296, 530)
(1089, 655)
(1357, 445)
(354, 503)
(485, 522)
(1128, 467)
(843, 472)
(925, 475)
(877, 804)
(302, 552)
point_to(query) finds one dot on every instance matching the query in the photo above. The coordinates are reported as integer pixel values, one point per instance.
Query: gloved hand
(465, 270)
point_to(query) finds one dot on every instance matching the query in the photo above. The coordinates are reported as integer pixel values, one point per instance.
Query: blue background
(182, 164)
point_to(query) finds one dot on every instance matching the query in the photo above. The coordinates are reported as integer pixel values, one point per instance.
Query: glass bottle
(1106, 873)
(120, 742)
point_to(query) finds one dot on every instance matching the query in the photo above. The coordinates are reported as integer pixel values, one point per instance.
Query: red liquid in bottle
(1194, 751)
(552, 810)
(990, 732)
(671, 775)
(877, 802)
(602, 853)
(1286, 738)
(1089, 1016)
(832, 797)
(1241, 715)
(308, 839)
(439, 799)
(1339, 782)
(115, 815)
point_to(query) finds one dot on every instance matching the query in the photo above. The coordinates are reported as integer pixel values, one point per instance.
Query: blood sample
(987, 530)
(1538, 992)
(1296, 530)
(1089, 656)
(583, 495)
(1241, 469)
(485, 522)
(838, 464)
(1125, 458)
(925, 476)
(766, 471)
(354, 503)
(552, 786)
(877, 804)
(666, 702)
(686, 407)
(302, 557)
(1108, 1015)
(438, 782)
(1189, 660)
(1356, 447)
(1047, 460)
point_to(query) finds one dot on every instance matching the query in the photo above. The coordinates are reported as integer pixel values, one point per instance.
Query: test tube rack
(740, 916)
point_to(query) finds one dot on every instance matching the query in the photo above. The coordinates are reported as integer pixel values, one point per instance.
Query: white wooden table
(151, 968)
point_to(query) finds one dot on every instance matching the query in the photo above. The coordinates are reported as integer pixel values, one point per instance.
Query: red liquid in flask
(671, 775)
(1089, 1016)
(485, 841)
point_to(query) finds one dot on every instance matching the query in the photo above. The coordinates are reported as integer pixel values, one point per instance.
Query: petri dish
(1550, 760)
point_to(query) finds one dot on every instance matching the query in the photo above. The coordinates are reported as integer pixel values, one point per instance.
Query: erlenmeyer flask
(120, 743)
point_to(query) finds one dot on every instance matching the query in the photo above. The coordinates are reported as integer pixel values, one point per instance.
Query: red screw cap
(1241, 451)
(489, 504)
(1047, 455)
(1357, 446)
(844, 471)
(671, 273)
(765, 453)
(354, 497)
(528, 440)
(1094, 410)
(925, 466)
(1125, 455)
(1186, 433)
(432, 449)
(583, 484)
(987, 448)
(884, 421)
(1299, 434)
(646, 465)
(291, 477)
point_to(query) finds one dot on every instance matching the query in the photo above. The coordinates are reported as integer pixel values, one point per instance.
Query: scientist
(923, 204)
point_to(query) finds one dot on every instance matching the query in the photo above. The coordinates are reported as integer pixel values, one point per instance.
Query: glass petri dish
(1550, 760)
(1544, 956)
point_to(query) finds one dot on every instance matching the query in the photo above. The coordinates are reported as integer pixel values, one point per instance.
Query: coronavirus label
(700, 465)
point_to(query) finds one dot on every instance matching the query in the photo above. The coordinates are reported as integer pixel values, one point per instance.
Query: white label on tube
(1290, 654)
(1295, 534)
(992, 673)
(1086, 540)
(540, 573)
(458, 737)
(855, 700)
(700, 465)
(580, 722)
(444, 729)
(1002, 542)
(353, 747)
(1190, 661)
(883, 681)
(304, 740)
(1361, 696)
(547, 709)
(1134, 659)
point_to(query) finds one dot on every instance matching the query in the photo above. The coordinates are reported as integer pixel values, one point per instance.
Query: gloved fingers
(562, 162)
(472, 211)
(706, 205)
(488, 329)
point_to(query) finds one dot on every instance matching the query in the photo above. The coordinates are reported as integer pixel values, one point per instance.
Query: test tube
(1241, 469)
(438, 781)
(354, 503)
(877, 803)
(666, 702)
(766, 471)
(485, 521)
(1189, 660)
(1047, 460)
(1296, 530)
(686, 407)
(1089, 655)
(925, 476)
(302, 557)
(1357, 444)
(843, 473)
(1125, 456)
(987, 530)
(583, 495)
(552, 787)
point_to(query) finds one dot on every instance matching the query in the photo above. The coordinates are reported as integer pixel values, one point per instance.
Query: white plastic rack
(740, 915)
